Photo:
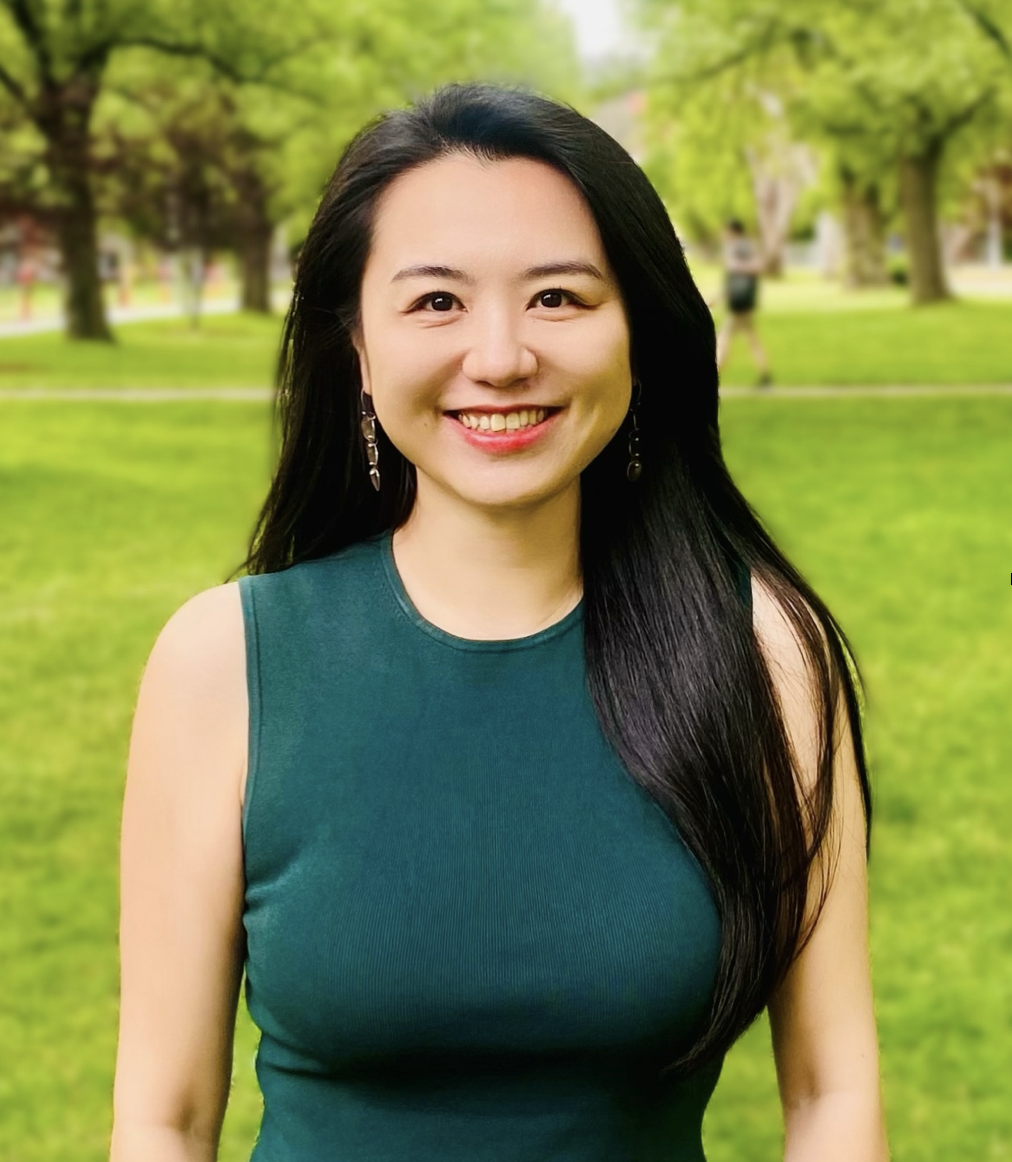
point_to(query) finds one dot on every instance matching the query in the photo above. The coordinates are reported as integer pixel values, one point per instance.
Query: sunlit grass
(110, 516)
(232, 350)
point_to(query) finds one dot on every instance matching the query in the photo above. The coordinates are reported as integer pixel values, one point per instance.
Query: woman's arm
(822, 1018)
(181, 939)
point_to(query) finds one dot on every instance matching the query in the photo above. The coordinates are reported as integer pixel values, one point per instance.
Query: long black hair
(675, 669)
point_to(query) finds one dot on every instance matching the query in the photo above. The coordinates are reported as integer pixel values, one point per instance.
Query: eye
(438, 301)
(552, 299)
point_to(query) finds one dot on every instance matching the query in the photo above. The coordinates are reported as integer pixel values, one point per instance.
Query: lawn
(952, 343)
(236, 350)
(110, 516)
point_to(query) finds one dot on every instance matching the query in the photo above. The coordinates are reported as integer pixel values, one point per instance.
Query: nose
(498, 354)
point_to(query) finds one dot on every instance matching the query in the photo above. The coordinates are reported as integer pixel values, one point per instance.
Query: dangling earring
(371, 447)
(635, 466)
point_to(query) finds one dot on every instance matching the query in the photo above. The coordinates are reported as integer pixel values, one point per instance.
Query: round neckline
(489, 645)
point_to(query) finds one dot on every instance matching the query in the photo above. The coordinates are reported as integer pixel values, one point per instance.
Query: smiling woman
(501, 370)
(522, 772)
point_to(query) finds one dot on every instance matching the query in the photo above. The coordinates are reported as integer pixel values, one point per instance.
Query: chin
(506, 497)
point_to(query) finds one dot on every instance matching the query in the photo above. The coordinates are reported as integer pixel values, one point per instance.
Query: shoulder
(192, 709)
(794, 647)
(775, 628)
(203, 640)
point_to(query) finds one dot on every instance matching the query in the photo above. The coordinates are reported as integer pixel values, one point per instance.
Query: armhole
(253, 690)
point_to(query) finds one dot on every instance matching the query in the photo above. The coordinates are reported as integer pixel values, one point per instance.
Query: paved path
(45, 323)
(898, 389)
(138, 394)
(263, 394)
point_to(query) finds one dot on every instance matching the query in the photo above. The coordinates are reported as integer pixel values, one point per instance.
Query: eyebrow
(426, 271)
(546, 270)
(552, 268)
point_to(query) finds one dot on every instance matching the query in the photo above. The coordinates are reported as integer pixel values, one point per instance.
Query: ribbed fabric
(471, 936)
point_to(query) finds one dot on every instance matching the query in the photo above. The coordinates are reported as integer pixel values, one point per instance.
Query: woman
(516, 798)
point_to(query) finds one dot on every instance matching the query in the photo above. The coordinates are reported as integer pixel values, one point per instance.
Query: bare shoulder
(204, 638)
(193, 703)
(778, 637)
(794, 662)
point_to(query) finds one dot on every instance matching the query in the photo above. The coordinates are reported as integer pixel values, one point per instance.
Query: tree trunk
(864, 229)
(78, 238)
(255, 268)
(919, 196)
(66, 127)
(255, 230)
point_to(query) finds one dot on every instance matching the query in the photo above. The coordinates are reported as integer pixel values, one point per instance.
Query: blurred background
(160, 161)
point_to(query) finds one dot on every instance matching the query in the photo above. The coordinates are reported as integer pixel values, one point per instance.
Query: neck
(490, 574)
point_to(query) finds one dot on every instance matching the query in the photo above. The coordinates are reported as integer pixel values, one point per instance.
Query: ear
(363, 361)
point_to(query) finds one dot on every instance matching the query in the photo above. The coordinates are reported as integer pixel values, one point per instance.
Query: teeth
(502, 421)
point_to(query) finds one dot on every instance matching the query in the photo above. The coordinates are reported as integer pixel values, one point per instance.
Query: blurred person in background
(742, 268)
(521, 771)
(27, 273)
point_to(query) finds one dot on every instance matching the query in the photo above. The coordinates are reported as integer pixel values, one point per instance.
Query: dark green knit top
(471, 936)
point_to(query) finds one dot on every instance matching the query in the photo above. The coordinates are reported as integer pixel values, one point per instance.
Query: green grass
(897, 509)
(952, 343)
(236, 350)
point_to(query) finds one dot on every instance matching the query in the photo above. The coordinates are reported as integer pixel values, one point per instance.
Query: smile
(503, 421)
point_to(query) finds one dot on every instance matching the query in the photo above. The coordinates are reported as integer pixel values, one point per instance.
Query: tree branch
(966, 114)
(15, 89)
(988, 27)
(768, 37)
(220, 64)
(190, 51)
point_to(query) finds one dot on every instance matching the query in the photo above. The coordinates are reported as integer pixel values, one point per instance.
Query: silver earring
(634, 468)
(371, 447)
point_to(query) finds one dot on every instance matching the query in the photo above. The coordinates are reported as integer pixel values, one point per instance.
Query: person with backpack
(742, 267)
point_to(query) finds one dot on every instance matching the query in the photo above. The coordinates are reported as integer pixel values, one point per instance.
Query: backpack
(742, 291)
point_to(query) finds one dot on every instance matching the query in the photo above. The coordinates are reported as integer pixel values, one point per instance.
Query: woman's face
(493, 339)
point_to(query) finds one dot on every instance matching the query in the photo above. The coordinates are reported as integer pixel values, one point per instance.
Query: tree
(899, 78)
(728, 153)
(56, 60)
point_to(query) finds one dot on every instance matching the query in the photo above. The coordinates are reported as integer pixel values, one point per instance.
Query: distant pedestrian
(742, 267)
(26, 276)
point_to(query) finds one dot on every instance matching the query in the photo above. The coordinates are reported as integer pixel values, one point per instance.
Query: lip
(505, 441)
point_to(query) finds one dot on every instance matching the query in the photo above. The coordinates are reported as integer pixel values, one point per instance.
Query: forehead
(461, 208)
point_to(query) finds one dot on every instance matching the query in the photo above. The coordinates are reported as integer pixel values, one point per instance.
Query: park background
(159, 164)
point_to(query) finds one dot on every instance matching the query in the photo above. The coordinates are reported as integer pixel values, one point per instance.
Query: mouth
(497, 423)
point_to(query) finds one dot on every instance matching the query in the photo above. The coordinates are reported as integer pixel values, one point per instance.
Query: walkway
(11, 329)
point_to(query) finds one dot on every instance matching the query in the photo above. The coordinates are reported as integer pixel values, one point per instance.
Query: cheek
(407, 378)
(604, 360)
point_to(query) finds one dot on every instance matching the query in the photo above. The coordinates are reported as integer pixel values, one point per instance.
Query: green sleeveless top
(471, 936)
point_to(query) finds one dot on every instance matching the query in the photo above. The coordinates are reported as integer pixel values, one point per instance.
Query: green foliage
(114, 515)
(217, 119)
(696, 156)
(869, 81)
